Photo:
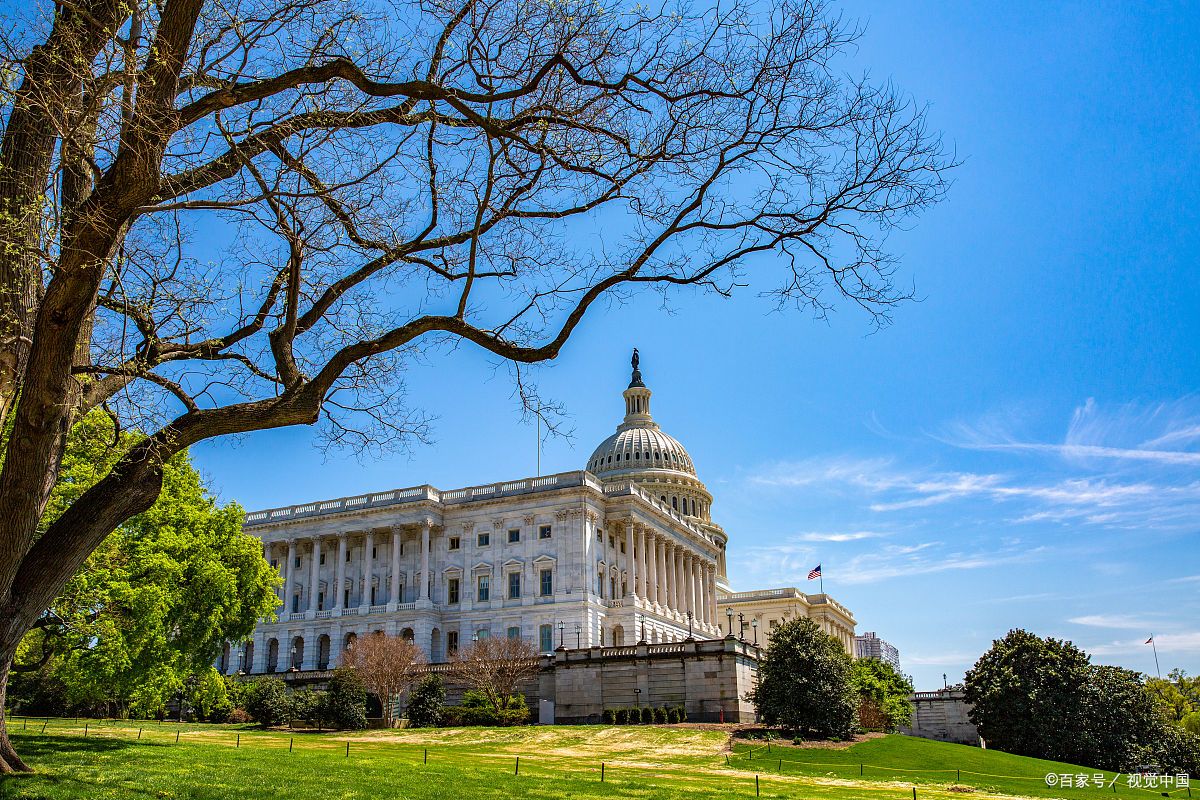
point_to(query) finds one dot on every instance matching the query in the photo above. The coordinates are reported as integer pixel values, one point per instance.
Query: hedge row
(645, 715)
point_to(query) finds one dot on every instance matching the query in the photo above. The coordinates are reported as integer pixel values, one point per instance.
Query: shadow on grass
(38, 749)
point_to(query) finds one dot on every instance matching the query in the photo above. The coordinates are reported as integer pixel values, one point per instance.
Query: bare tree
(218, 218)
(387, 665)
(496, 667)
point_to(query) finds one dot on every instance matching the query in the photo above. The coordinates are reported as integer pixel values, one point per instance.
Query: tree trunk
(9, 760)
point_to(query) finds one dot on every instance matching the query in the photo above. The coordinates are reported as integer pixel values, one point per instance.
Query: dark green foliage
(647, 715)
(267, 701)
(309, 706)
(478, 709)
(682, 713)
(346, 700)
(209, 697)
(425, 702)
(610, 716)
(1043, 698)
(883, 695)
(622, 716)
(660, 715)
(804, 682)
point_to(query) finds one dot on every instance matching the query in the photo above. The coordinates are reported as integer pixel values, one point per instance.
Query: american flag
(814, 573)
(1148, 641)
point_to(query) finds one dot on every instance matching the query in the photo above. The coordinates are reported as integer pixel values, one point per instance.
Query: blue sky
(1020, 448)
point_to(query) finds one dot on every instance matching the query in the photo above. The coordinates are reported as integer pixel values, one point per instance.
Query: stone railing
(761, 594)
(419, 494)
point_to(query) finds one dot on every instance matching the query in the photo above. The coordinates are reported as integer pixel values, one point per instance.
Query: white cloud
(834, 536)
(1186, 643)
(1120, 621)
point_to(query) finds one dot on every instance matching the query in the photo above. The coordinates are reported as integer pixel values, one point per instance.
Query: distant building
(868, 645)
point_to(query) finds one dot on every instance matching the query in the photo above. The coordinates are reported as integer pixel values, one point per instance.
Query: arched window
(675, 503)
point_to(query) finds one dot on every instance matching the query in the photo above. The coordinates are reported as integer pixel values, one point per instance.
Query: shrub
(622, 716)
(346, 701)
(610, 716)
(209, 698)
(425, 702)
(239, 716)
(804, 682)
(647, 715)
(267, 701)
(309, 706)
(660, 715)
(455, 716)
(682, 713)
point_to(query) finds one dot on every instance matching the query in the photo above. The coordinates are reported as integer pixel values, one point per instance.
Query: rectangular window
(454, 543)
(295, 604)
(346, 599)
(452, 591)
(296, 563)
(349, 552)
(483, 633)
(544, 532)
(485, 585)
(547, 581)
(484, 539)
(546, 638)
(599, 535)
(514, 535)
(514, 585)
(452, 642)
(514, 632)
(373, 595)
(320, 601)
(375, 551)
(612, 542)
(322, 559)
(274, 563)
(622, 545)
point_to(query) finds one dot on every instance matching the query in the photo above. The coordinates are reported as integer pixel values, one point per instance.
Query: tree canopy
(155, 602)
(884, 695)
(1042, 697)
(805, 682)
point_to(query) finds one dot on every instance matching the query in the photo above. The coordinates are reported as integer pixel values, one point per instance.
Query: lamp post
(293, 667)
(475, 637)
(637, 697)
(643, 641)
(754, 624)
(562, 626)
(742, 626)
(729, 618)
(689, 615)
(241, 662)
(578, 632)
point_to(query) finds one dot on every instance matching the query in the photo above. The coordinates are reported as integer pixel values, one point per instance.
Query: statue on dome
(636, 380)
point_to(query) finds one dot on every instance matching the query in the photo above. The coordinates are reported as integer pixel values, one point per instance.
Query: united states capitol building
(622, 552)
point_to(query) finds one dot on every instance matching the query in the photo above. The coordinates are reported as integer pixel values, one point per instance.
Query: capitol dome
(639, 449)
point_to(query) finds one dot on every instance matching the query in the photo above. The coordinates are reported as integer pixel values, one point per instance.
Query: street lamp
(637, 697)
(754, 624)
(643, 641)
(578, 631)
(689, 613)
(742, 627)
(562, 626)
(729, 617)
(475, 637)
(241, 661)
(293, 667)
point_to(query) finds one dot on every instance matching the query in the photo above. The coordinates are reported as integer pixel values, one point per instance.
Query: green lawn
(928, 764)
(640, 762)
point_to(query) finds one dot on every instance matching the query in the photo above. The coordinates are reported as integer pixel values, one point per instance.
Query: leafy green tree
(209, 697)
(1178, 697)
(425, 702)
(310, 706)
(1028, 696)
(157, 600)
(805, 682)
(267, 701)
(347, 700)
(883, 694)
(1043, 698)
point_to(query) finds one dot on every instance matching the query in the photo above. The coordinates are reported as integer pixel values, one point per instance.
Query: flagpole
(1154, 647)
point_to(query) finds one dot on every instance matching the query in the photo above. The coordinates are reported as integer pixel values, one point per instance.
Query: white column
(661, 555)
(291, 569)
(425, 558)
(394, 572)
(694, 583)
(630, 561)
(643, 589)
(712, 594)
(680, 595)
(367, 565)
(340, 591)
(314, 583)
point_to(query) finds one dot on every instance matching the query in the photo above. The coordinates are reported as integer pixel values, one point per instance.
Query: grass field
(210, 762)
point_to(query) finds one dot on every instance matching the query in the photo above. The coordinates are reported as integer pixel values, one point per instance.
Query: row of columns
(314, 582)
(670, 575)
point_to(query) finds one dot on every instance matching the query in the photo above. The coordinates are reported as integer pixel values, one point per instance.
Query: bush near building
(425, 702)
(805, 682)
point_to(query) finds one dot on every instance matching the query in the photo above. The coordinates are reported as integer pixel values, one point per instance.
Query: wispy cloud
(1118, 621)
(1185, 643)
(838, 536)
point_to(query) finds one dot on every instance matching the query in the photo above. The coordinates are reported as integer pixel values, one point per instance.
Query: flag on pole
(1148, 641)
(814, 573)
